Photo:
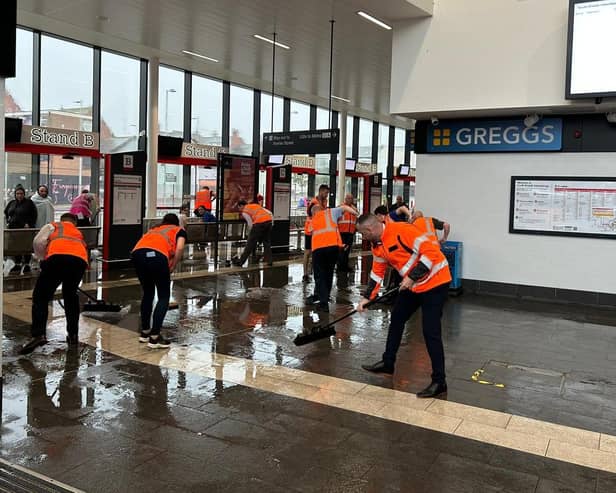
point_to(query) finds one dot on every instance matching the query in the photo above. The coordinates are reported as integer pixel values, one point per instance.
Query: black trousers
(58, 269)
(259, 233)
(154, 276)
(343, 258)
(323, 264)
(431, 303)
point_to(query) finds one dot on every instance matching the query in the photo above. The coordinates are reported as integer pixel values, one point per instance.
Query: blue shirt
(396, 217)
(208, 217)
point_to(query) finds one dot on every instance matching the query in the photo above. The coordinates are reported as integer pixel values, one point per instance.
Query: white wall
(481, 56)
(471, 191)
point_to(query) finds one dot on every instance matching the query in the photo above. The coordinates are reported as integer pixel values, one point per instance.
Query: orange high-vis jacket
(308, 226)
(160, 238)
(347, 223)
(203, 197)
(325, 231)
(426, 226)
(66, 239)
(258, 214)
(412, 254)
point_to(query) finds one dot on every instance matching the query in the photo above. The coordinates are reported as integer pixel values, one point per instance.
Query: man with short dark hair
(64, 256)
(260, 221)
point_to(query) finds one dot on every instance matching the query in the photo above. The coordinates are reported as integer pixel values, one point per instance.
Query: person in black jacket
(20, 213)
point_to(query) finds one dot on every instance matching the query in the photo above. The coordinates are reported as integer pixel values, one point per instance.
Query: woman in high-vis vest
(155, 256)
(64, 259)
(425, 284)
(326, 245)
(260, 221)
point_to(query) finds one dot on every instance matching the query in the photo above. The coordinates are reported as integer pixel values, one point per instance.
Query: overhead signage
(302, 142)
(201, 151)
(495, 136)
(367, 168)
(59, 137)
(306, 162)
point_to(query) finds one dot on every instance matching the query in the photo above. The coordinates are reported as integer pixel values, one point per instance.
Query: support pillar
(340, 192)
(152, 165)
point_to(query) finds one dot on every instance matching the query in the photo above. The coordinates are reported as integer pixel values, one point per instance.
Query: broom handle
(86, 294)
(370, 303)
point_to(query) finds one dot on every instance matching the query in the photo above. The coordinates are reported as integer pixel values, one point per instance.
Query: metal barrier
(19, 241)
(199, 232)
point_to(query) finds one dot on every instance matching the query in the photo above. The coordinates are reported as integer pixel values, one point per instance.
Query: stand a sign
(302, 142)
(60, 137)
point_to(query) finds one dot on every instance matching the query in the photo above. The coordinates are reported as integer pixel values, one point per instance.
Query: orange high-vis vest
(160, 238)
(426, 225)
(203, 198)
(308, 226)
(347, 223)
(403, 246)
(258, 214)
(66, 239)
(325, 231)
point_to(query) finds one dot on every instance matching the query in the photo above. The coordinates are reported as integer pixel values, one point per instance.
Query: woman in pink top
(81, 208)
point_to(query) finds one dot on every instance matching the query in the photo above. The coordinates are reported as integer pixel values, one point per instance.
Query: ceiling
(224, 29)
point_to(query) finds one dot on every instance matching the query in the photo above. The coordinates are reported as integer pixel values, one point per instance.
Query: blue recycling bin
(453, 252)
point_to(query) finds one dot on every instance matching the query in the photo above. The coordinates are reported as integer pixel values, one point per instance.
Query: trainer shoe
(32, 344)
(144, 335)
(306, 278)
(159, 342)
(312, 299)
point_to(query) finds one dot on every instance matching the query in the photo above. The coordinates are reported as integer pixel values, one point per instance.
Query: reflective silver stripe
(375, 278)
(162, 232)
(426, 261)
(379, 260)
(406, 267)
(330, 227)
(419, 240)
(438, 267)
(429, 225)
(60, 235)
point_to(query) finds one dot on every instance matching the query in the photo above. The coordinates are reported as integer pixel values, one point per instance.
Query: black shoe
(26, 269)
(379, 367)
(16, 269)
(144, 335)
(33, 344)
(72, 339)
(306, 278)
(322, 307)
(158, 342)
(433, 390)
(312, 299)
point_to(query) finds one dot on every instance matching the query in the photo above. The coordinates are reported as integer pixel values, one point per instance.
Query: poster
(562, 205)
(239, 184)
(127, 192)
(282, 201)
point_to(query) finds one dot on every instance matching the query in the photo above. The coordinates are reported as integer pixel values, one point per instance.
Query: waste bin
(453, 252)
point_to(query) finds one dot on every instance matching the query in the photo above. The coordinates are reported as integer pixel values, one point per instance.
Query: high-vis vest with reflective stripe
(426, 226)
(203, 198)
(258, 214)
(403, 246)
(66, 239)
(325, 231)
(347, 223)
(160, 238)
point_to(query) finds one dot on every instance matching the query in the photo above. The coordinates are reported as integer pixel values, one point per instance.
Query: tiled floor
(234, 406)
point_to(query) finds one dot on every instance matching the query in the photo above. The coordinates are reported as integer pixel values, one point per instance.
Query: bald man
(430, 226)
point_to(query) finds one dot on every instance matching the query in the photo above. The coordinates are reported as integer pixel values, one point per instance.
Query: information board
(325, 141)
(563, 206)
(127, 194)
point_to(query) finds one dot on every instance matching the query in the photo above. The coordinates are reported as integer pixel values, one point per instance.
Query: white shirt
(41, 240)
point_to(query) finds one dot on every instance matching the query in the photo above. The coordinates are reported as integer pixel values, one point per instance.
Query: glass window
(266, 114)
(322, 163)
(383, 148)
(240, 118)
(365, 141)
(120, 78)
(349, 137)
(300, 116)
(322, 118)
(399, 138)
(66, 178)
(169, 193)
(171, 102)
(206, 111)
(18, 98)
(66, 84)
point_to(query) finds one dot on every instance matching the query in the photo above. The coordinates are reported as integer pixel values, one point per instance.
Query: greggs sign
(59, 137)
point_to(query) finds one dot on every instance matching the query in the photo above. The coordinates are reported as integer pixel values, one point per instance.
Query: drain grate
(14, 479)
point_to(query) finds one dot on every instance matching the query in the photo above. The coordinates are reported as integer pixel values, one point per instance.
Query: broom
(95, 305)
(325, 331)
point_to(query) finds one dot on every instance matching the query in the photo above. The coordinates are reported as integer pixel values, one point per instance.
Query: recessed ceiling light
(375, 20)
(341, 99)
(200, 56)
(271, 41)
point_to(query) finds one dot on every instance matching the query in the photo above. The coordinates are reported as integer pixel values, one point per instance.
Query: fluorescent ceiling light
(271, 41)
(341, 99)
(200, 56)
(375, 20)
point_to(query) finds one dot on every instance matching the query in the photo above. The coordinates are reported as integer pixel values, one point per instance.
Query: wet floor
(104, 423)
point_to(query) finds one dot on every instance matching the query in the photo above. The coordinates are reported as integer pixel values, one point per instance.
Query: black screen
(8, 33)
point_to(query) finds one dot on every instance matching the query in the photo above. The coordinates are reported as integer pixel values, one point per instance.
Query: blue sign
(495, 136)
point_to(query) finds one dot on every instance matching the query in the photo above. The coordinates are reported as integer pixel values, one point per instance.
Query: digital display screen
(591, 71)
(349, 165)
(404, 170)
(276, 159)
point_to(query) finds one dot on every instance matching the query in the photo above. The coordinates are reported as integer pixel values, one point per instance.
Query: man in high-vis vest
(64, 256)
(204, 198)
(321, 200)
(425, 284)
(347, 228)
(430, 226)
(260, 222)
(326, 245)
(155, 256)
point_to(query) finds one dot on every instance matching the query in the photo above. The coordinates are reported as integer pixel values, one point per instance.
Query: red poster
(239, 184)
